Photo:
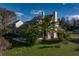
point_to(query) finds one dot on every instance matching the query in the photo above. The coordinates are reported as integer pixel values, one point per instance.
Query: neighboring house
(15, 25)
(18, 23)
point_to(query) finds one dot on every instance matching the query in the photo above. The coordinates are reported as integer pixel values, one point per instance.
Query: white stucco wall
(48, 36)
(55, 35)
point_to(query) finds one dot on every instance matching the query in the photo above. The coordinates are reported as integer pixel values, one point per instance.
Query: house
(52, 33)
(15, 25)
(18, 23)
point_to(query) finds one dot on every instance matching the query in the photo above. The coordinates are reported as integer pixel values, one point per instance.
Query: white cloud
(73, 16)
(19, 13)
(36, 11)
(63, 4)
(28, 18)
(76, 17)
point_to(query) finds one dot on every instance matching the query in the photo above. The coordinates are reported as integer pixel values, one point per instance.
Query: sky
(26, 11)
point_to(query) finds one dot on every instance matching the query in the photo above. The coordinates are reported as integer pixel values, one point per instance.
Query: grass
(74, 36)
(44, 50)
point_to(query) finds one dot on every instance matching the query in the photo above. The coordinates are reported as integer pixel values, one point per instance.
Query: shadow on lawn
(49, 46)
(9, 37)
(42, 47)
(18, 44)
(74, 41)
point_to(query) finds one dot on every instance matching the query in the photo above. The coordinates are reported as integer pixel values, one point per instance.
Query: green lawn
(44, 50)
(74, 36)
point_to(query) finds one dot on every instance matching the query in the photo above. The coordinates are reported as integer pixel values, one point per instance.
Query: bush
(46, 46)
(57, 46)
(63, 35)
(77, 49)
(65, 42)
(51, 41)
(31, 42)
(74, 40)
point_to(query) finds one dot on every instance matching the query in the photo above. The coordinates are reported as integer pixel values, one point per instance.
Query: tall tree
(7, 18)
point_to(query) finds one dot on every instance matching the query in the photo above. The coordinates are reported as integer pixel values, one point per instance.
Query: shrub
(65, 42)
(31, 42)
(51, 41)
(63, 35)
(77, 49)
(57, 46)
(46, 46)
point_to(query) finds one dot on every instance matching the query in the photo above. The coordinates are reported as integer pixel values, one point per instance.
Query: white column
(56, 25)
(55, 16)
(55, 35)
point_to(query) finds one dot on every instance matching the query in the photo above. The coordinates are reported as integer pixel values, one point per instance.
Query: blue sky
(26, 11)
